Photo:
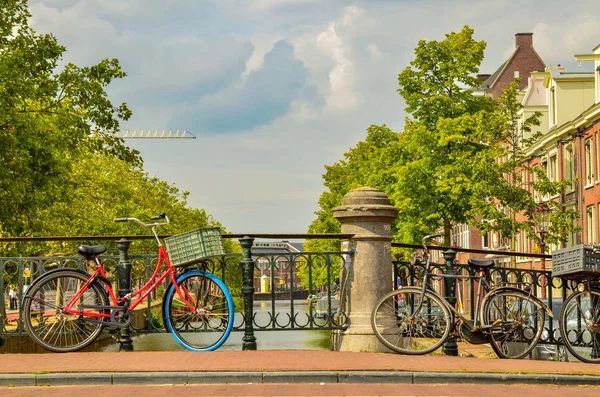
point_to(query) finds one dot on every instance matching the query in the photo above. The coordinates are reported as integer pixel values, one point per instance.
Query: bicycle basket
(194, 246)
(576, 262)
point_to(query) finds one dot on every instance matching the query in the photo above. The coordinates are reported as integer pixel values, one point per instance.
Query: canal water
(265, 340)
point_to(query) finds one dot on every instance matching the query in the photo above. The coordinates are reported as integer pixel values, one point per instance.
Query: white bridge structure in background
(155, 134)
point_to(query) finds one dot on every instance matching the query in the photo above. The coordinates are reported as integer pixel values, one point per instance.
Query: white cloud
(342, 95)
(559, 44)
(263, 43)
(192, 60)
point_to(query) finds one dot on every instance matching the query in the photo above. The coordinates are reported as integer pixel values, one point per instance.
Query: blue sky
(275, 90)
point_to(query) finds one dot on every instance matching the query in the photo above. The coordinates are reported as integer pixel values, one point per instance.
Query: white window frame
(544, 163)
(552, 115)
(569, 167)
(589, 161)
(590, 224)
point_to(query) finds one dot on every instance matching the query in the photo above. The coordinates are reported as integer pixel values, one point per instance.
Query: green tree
(441, 138)
(502, 199)
(370, 163)
(443, 168)
(47, 117)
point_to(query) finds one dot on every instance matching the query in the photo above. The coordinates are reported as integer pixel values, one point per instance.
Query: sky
(275, 90)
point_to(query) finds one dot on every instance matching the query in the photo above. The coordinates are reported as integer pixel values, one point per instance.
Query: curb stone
(150, 378)
(375, 377)
(184, 378)
(300, 377)
(69, 379)
(17, 380)
(198, 378)
(436, 377)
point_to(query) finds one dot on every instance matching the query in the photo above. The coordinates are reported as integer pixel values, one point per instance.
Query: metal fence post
(248, 292)
(124, 273)
(450, 347)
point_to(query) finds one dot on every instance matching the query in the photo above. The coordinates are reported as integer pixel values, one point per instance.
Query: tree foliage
(63, 170)
(370, 163)
(47, 117)
(441, 139)
(460, 158)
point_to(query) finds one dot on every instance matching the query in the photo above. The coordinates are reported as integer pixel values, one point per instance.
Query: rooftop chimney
(524, 39)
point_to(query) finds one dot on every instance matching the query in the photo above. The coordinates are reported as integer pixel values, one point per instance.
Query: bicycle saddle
(90, 251)
(481, 263)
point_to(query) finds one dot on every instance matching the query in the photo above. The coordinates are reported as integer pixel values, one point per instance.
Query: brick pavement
(277, 361)
(306, 390)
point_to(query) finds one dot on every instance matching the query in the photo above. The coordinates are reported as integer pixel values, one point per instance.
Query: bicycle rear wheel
(580, 325)
(208, 325)
(517, 321)
(48, 325)
(407, 323)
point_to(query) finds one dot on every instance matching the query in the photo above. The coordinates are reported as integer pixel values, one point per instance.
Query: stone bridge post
(368, 214)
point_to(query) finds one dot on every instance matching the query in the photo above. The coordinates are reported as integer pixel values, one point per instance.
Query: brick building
(523, 61)
(569, 149)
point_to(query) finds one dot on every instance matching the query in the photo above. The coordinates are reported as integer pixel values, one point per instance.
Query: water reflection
(265, 340)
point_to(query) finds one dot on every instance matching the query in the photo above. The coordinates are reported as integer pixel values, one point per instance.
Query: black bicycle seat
(481, 263)
(90, 251)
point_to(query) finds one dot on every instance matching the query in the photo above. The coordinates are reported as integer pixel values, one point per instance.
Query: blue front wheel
(201, 318)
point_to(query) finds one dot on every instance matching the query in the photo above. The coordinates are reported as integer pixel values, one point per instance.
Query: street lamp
(541, 217)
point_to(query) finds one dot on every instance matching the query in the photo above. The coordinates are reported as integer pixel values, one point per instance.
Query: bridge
(364, 267)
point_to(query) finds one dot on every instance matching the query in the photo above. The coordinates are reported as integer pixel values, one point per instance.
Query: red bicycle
(66, 310)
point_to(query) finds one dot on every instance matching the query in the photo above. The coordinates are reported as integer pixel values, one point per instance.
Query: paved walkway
(282, 366)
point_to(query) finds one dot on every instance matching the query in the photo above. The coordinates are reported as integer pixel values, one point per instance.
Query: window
(590, 225)
(553, 169)
(485, 241)
(544, 165)
(572, 236)
(552, 106)
(598, 84)
(589, 163)
(461, 235)
(516, 74)
(569, 167)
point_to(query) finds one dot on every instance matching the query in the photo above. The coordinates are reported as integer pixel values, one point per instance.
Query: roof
(559, 74)
(275, 247)
(492, 79)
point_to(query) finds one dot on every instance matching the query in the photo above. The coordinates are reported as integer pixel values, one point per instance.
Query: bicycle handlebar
(155, 224)
(429, 237)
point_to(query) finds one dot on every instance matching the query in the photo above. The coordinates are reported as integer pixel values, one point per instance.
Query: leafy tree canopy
(48, 116)
(444, 168)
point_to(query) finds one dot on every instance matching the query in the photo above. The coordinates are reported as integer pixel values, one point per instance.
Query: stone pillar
(368, 214)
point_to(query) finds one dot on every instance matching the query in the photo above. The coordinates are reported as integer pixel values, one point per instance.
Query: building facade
(569, 150)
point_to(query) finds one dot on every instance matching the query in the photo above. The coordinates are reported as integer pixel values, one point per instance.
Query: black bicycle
(417, 320)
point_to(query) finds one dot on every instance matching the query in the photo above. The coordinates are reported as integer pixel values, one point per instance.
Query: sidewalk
(281, 366)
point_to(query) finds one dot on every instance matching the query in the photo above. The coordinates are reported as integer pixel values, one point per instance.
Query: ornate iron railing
(284, 306)
(281, 308)
(550, 290)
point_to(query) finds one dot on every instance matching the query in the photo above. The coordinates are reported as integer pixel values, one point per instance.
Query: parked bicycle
(579, 319)
(417, 320)
(65, 310)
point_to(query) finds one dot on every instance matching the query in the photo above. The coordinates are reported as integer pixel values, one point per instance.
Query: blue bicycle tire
(171, 322)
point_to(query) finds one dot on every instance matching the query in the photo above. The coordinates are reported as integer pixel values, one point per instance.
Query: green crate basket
(194, 246)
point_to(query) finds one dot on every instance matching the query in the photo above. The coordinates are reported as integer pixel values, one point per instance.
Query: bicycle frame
(481, 281)
(141, 294)
(477, 315)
